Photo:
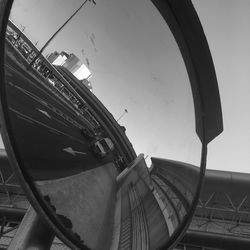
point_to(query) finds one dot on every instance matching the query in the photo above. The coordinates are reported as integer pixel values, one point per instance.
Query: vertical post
(32, 233)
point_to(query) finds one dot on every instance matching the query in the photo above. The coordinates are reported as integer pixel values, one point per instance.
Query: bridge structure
(221, 220)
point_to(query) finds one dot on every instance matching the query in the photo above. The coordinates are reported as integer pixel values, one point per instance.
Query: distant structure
(68, 65)
(72, 63)
(56, 58)
(73, 81)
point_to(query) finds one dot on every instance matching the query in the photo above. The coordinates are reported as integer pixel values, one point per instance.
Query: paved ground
(88, 201)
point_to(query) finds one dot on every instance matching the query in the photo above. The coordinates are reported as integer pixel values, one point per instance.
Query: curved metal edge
(186, 28)
(185, 25)
(186, 222)
(33, 195)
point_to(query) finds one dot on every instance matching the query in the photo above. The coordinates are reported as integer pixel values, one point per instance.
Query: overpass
(44, 69)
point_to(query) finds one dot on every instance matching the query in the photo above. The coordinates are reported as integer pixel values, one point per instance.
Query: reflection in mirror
(110, 85)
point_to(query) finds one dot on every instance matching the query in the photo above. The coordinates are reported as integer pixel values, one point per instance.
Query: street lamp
(59, 29)
(125, 112)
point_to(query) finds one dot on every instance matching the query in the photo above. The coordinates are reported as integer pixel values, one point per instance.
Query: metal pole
(32, 233)
(59, 29)
(125, 111)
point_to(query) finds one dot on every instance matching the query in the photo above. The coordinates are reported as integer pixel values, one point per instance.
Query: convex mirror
(107, 108)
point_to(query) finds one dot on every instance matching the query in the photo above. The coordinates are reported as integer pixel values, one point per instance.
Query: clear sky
(136, 65)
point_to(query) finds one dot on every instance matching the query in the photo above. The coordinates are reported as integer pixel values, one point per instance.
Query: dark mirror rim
(185, 25)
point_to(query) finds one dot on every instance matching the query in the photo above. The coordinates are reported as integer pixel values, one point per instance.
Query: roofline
(212, 240)
(227, 176)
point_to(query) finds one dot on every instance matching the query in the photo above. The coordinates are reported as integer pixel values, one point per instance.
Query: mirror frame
(186, 28)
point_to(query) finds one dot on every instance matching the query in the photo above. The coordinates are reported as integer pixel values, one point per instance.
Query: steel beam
(213, 240)
(32, 233)
(12, 214)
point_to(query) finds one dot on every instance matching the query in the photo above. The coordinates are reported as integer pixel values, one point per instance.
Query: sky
(136, 65)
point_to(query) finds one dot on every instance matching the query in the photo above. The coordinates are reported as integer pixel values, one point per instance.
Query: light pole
(125, 112)
(59, 29)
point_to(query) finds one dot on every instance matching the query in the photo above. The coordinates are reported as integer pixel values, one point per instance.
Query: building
(69, 61)
(52, 57)
(73, 81)
(72, 63)
(56, 58)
